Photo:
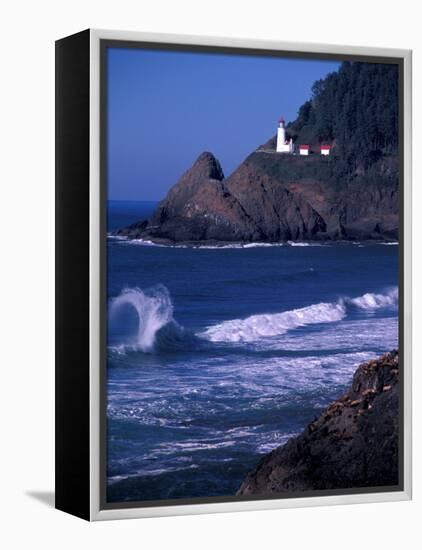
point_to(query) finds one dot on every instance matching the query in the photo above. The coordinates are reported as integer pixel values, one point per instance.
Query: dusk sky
(165, 108)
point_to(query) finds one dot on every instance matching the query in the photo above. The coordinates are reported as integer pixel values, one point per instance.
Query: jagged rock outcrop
(198, 208)
(302, 198)
(274, 197)
(352, 194)
(354, 443)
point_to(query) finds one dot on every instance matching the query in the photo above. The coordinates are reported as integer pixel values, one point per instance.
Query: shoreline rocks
(354, 443)
(274, 198)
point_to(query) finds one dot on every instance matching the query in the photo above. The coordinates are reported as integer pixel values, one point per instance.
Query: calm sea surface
(217, 356)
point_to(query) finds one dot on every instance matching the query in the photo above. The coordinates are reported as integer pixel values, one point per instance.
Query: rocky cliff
(198, 208)
(275, 197)
(354, 443)
(272, 197)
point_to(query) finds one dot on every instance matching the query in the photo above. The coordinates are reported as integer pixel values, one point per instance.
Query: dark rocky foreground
(354, 443)
(273, 197)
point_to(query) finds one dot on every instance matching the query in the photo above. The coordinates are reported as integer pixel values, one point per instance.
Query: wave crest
(376, 301)
(158, 331)
(266, 325)
(154, 309)
(258, 326)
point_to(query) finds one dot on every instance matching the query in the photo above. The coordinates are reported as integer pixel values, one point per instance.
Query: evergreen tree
(356, 110)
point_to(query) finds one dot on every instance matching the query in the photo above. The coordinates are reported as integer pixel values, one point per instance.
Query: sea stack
(197, 209)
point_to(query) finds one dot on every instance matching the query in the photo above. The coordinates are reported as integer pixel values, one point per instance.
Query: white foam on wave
(262, 245)
(375, 301)
(368, 333)
(144, 242)
(239, 245)
(116, 237)
(260, 326)
(233, 246)
(308, 243)
(228, 246)
(154, 309)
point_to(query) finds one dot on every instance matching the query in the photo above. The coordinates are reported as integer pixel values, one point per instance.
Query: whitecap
(308, 243)
(154, 309)
(258, 326)
(375, 301)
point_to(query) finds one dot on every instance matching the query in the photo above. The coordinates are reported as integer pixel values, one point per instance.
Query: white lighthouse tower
(283, 146)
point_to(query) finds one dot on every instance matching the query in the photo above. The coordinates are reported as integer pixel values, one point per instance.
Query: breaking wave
(376, 301)
(260, 326)
(157, 329)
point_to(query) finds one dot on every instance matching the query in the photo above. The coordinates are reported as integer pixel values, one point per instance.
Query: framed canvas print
(233, 274)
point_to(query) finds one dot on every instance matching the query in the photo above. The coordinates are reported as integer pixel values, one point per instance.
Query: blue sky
(165, 108)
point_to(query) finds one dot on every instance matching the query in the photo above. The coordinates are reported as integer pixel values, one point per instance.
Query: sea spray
(375, 301)
(158, 331)
(154, 309)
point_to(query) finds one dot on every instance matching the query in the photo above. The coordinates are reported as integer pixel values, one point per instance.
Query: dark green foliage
(291, 168)
(355, 110)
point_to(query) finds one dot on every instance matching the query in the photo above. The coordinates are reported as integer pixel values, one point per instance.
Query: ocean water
(217, 356)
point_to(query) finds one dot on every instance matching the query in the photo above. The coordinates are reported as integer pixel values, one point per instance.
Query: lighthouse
(283, 146)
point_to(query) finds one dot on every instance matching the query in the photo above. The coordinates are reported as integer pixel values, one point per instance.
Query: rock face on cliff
(274, 197)
(354, 443)
(198, 208)
(351, 194)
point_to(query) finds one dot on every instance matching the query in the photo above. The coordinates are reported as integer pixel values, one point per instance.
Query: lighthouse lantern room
(283, 146)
